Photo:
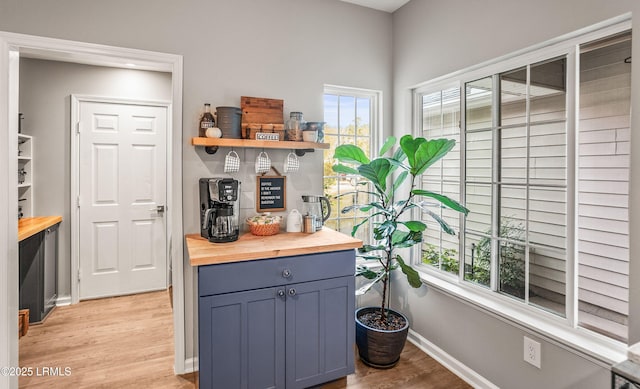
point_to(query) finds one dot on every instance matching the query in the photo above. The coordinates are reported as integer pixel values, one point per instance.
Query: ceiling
(382, 5)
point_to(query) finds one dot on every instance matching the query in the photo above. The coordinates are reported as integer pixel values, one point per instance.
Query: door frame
(11, 46)
(76, 100)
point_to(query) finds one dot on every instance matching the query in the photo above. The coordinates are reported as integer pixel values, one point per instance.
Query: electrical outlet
(532, 352)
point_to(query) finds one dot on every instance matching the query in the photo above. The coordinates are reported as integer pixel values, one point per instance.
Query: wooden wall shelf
(212, 144)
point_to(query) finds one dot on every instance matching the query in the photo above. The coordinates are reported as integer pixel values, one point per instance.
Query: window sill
(597, 348)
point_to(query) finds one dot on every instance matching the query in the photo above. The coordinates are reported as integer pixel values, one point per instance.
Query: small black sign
(272, 193)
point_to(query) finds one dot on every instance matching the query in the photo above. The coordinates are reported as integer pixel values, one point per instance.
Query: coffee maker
(219, 209)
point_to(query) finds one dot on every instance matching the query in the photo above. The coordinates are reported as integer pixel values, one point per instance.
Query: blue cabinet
(294, 329)
(38, 273)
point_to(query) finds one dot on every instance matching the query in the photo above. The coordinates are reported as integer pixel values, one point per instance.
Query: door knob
(292, 292)
(159, 209)
(286, 273)
(280, 293)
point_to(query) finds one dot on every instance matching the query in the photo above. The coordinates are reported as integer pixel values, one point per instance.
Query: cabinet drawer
(263, 273)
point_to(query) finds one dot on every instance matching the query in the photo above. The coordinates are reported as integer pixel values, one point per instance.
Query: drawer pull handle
(281, 293)
(292, 292)
(286, 273)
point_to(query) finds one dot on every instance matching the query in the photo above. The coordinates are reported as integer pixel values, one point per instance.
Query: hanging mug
(231, 162)
(292, 163)
(263, 163)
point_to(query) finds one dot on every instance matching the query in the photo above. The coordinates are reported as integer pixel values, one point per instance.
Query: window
(351, 117)
(542, 162)
(441, 119)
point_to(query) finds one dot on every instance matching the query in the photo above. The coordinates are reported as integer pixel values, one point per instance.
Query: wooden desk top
(249, 247)
(29, 226)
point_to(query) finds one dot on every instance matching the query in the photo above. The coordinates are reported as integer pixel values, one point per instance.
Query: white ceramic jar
(294, 221)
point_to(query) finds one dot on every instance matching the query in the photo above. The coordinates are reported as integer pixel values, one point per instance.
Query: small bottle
(206, 121)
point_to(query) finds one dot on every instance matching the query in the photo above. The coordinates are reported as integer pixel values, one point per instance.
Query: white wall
(286, 49)
(431, 39)
(45, 89)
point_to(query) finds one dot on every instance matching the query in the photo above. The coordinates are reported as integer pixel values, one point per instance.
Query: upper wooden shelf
(252, 143)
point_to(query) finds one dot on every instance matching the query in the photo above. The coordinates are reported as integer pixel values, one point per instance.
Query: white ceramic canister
(294, 221)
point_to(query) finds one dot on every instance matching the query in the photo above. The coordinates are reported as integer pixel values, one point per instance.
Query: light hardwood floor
(119, 342)
(127, 342)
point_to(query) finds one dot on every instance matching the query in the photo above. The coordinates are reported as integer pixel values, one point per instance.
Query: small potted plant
(380, 331)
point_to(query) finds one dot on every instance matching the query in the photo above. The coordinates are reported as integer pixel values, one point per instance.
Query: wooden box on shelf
(262, 115)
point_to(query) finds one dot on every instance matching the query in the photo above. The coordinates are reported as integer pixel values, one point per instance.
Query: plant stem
(386, 264)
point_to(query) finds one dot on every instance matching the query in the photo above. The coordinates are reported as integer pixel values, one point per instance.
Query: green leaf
(400, 239)
(367, 248)
(344, 169)
(410, 147)
(388, 144)
(384, 230)
(350, 208)
(399, 155)
(398, 164)
(456, 206)
(429, 152)
(377, 171)
(350, 154)
(445, 227)
(381, 274)
(365, 272)
(415, 226)
(412, 275)
(355, 228)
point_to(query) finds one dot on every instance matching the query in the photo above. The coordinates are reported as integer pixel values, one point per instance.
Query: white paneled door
(122, 186)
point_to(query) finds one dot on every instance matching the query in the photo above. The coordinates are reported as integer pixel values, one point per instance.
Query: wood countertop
(249, 247)
(29, 226)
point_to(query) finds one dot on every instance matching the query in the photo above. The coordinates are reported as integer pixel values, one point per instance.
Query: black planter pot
(379, 348)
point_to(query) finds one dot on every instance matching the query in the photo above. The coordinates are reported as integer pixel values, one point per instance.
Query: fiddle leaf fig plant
(388, 221)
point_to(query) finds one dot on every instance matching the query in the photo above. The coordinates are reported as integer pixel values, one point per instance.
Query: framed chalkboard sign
(272, 193)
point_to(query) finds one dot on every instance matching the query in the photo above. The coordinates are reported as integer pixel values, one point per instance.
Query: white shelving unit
(25, 175)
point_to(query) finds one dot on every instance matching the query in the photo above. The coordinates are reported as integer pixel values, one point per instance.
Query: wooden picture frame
(271, 193)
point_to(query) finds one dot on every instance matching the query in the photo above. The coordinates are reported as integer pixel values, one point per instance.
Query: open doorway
(12, 48)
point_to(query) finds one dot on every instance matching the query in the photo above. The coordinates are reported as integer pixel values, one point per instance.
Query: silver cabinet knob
(286, 273)
(292, 292)
(281, 293)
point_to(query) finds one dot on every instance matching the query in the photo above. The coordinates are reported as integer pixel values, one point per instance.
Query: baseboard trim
(61, 301)
(190, 365)
(456, 367)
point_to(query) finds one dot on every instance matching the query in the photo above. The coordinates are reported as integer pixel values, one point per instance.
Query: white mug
(231, 162)
(291, 164)
(263, 163)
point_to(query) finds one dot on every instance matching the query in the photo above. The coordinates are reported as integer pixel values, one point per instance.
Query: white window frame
(563, 332)
(375, 125)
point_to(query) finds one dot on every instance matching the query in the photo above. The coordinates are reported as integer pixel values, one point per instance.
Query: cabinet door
(31, 269)
(50, 269)
(242, 340)
(320, 331)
